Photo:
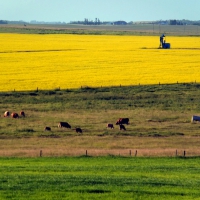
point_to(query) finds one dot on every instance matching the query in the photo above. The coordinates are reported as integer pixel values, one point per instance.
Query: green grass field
(99, 178)
(160, 120)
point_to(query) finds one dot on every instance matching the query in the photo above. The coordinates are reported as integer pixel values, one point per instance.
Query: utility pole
(153, 28)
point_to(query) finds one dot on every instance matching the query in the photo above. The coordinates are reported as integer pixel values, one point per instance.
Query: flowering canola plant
(28, 62)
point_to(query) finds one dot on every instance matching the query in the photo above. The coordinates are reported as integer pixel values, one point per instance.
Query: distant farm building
(119, 23)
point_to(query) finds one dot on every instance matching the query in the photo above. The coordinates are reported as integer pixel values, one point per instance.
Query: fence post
(184, 153)
(130, 152)
(135, 153)
(40, 153)
(176, 153)
(86, 152)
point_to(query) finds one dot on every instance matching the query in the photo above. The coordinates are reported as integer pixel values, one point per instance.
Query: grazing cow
(122, 127)
(195, 118)
(14, 115)
(47, 128)
(110, 126)
(122, 121)
(63, 124)
(22, 113)
(6, 114)
(79, 130)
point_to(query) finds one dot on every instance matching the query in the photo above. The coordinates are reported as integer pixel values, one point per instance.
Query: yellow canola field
(28, 62)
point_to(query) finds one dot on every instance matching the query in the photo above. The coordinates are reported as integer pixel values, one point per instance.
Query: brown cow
(122, 121)
(79, 130)
(6, 114)
(14, 115)
(47, 128)
(22, 113)
(63, 124)
(110, 126)
(122, 127)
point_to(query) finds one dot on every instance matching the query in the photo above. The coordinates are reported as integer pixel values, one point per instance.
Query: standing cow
(110, 126)
(79, 130)
(63, 125)
(47, 128)
(6, 114)
(22, 114)
(122, 127)
(122, 121)
(14, 115)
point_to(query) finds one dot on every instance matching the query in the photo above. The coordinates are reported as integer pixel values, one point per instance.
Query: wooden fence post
(130, 152)
(135, 153)
(176, 152)
(86, 152)
(184, 153)
(40, 153)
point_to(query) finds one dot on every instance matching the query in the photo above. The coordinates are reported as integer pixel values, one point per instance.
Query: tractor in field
(163, 44)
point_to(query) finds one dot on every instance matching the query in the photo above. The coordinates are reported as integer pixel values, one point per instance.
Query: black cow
(47, 128)
(122, 127)
(122, 121)
(79, 130)
(110, 126)
(63, 124)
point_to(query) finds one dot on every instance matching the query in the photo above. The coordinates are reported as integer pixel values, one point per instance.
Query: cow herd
(67, 125)
(120, 122)
(47, 128)
(14, 114)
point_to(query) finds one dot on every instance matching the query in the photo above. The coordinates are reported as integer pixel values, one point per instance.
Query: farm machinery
(163, 44)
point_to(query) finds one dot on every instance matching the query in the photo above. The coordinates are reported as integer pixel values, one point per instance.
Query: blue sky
(105, 10)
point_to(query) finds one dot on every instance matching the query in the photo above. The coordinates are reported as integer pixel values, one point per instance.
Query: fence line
(101, 152)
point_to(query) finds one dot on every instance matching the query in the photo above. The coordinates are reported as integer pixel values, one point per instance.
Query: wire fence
(101, 152)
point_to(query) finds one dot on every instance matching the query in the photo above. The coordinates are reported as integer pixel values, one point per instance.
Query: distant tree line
(86, 21)
(183, 22)
(95, 22)
(3, 22)
(176, 22)
(98, 22)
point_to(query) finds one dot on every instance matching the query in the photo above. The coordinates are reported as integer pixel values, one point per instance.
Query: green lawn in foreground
(99, 178)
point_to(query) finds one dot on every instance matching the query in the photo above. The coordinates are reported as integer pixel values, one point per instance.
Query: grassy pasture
(159, 121)
(99, 177)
